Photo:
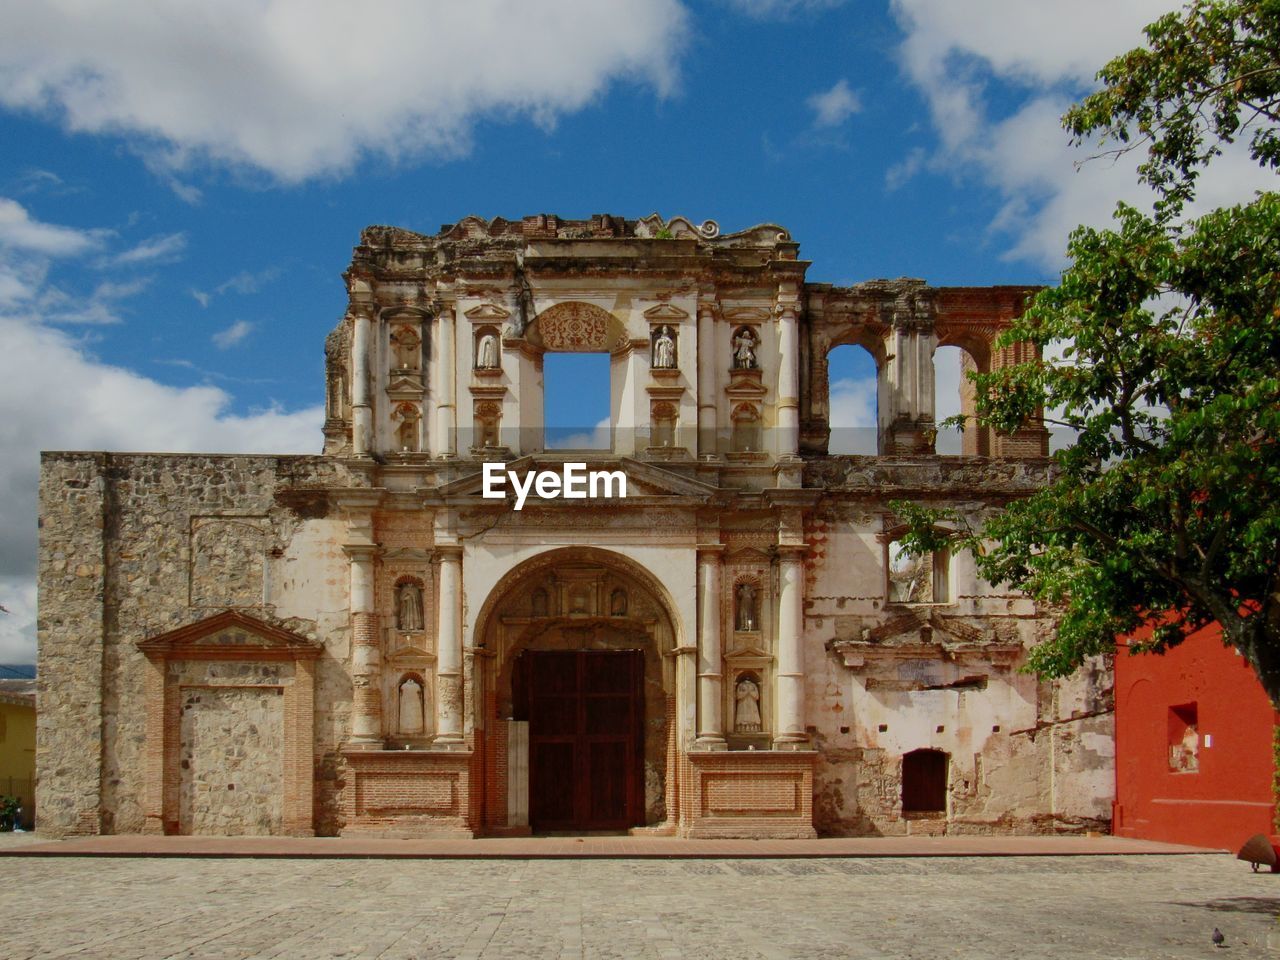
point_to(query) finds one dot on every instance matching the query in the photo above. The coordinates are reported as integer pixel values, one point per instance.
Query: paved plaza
(737, 909)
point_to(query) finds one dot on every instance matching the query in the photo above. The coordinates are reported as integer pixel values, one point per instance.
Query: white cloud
(100, 407)
(246, 282)
(780, 9)
(164, 248)
(306, 87)
(18, 231)
(905, 169)
(833, 107)
(853, 416)
(225, 339)
(1043, 55)
(599, 437)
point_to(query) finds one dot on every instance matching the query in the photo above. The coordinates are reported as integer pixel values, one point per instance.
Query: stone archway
(574, 599)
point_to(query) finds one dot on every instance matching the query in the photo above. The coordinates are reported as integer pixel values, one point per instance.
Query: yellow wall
(18, 754)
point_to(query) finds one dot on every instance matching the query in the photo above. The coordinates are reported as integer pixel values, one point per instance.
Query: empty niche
(746, 606)
(663, 419)
(406, 349)
(746, 428)
(488, 419)
(408, 428)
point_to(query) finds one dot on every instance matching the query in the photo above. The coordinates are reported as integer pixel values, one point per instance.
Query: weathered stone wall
(73, 493)
(887, 678)
(134, 545)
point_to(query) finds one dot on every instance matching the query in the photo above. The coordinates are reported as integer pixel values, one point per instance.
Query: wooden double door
(586, 737)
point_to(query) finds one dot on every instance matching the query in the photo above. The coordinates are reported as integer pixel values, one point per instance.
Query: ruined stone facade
(361, 641)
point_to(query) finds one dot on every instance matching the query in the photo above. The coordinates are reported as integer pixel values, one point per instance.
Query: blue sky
(181, 187)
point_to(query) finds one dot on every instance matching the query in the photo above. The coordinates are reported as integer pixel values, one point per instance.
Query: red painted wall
(1222, 796)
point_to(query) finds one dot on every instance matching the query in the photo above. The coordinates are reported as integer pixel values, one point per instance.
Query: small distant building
(18, 744)
(1194, 753)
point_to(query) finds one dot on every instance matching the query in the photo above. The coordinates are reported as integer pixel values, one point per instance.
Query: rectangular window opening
(576, 398)
(1184, 739)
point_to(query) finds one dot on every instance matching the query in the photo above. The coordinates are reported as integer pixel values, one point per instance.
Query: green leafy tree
(1162, 360)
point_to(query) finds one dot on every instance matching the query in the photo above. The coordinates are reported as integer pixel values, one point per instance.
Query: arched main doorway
(578, 694)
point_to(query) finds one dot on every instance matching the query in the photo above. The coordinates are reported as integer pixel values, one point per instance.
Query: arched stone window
(955, 394)
(924, 782)
(853, 396)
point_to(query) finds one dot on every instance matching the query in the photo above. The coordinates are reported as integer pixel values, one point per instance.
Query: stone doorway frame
(660, 637)
(197, 642)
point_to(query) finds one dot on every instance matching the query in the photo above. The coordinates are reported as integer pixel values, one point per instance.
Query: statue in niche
(538, 604)
(664, 349)
(746, 710)
(409, 606)
(487, 353)
(405, 344)
(578, 599)
(744, 349)
(747, 616)
(411, 712)
(618, 603)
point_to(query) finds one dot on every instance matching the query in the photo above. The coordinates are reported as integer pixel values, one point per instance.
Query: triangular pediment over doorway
(230, 635)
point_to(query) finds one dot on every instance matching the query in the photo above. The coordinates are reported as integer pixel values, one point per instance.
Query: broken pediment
(665, 312)
(487, 312)
(920, 635)
(230, 635)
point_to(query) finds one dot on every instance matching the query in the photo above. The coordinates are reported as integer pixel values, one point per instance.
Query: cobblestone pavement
(1034, 907)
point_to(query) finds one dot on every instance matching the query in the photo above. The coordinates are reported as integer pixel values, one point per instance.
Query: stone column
(366, 652)
(361, 412)
(449, 694)
(710, 664)
(446, 442)
(788, 407)
(707, 393)
(790, 727)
